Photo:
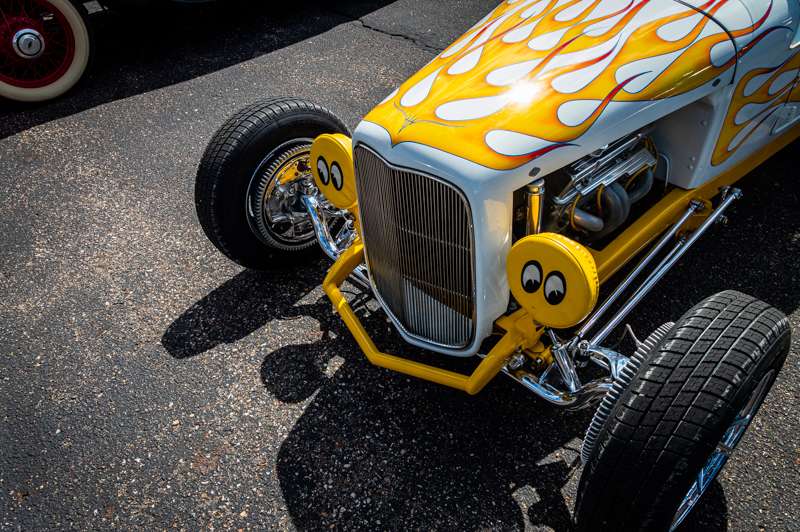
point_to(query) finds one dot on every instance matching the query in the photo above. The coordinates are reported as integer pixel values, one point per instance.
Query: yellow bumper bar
(516, 337)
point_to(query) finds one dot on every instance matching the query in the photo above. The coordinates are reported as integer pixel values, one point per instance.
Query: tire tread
(675, 408)
(230, 141)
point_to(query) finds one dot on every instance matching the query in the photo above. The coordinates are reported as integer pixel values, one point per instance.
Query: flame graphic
(794, 96)
(535, 75)
(758, 95)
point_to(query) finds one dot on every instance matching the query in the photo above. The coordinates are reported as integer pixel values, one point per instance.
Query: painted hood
(538, 76)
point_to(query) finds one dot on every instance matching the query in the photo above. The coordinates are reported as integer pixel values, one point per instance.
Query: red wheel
(44, 48)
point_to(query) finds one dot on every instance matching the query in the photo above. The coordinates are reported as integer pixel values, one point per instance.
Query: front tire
(45, 47)
(251, 177)
(691, 400)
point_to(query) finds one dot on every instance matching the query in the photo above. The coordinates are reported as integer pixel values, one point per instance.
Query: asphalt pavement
(146, 382)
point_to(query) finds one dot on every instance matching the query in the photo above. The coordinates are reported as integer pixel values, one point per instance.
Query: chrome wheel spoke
(276, 219)
(287, 230)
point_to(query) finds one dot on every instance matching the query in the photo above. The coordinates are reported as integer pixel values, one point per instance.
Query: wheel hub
(276, 211)
(282, 207)
(28, 43)
(37, 44)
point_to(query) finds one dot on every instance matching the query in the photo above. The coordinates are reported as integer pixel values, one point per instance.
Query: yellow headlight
(553, 278)
(332, 165)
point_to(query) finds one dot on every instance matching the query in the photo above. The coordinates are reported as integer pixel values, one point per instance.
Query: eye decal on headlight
(334, 172)
(337, 178)
(322, 168)
(531, 276)
(540, 266)
(555, 288)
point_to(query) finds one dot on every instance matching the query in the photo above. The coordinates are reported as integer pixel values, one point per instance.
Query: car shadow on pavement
(140, 50)
(240, 307)
(376, 450)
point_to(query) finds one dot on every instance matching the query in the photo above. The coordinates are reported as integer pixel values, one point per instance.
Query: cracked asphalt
(148, 383)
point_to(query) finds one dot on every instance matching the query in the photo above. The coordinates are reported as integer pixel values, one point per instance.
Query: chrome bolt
(583, 346)
(516, 362)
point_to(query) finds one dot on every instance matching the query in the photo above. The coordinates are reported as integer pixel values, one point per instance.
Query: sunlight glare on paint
(523, 93)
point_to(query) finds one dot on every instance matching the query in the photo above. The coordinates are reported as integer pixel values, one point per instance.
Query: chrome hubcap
(723, 451)
(275, 208)
(282, 206)
(28, 43)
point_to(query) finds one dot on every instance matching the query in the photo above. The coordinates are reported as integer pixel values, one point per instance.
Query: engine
(592, 198)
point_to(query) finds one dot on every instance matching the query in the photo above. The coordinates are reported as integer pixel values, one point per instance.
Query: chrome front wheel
(275, 207)
(254, 178)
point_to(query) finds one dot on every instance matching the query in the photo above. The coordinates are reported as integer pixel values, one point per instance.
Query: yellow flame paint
(734, 135)
(530, 107)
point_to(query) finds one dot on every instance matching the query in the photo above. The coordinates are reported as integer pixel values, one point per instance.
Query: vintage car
(558, 147)
(46, 45)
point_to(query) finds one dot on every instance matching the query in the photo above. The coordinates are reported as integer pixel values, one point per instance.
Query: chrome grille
(419, 244)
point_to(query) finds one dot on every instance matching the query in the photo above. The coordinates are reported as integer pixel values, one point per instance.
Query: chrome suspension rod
(327, 242)
(565, 364)
(694, 206)
(666, 264)
(585, 396)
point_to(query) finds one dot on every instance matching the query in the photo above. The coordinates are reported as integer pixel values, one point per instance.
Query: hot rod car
(558, 147)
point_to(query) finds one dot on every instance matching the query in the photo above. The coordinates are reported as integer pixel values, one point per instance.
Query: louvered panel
(419, 243)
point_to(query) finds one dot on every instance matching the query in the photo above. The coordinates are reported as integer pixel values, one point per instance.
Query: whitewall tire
(45, 46)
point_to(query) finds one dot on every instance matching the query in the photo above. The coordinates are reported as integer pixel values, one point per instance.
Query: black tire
(667, 423)
(234, 155)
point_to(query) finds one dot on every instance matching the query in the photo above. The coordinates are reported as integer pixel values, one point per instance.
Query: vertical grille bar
(418, 239)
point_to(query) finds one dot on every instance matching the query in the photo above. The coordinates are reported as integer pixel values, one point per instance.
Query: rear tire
(719, 360)
(236, 165)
